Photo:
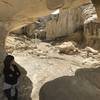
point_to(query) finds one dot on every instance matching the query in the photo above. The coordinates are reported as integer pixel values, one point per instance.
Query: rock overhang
(15, 14)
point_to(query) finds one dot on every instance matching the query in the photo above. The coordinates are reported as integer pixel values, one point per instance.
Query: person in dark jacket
(11, 75)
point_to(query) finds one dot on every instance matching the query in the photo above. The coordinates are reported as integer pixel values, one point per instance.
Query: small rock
(91, 50)
(67, 48)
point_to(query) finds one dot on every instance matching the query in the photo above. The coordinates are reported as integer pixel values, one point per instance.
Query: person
(11, 75)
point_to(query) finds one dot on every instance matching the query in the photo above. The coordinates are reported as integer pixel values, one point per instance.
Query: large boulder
(83, 86)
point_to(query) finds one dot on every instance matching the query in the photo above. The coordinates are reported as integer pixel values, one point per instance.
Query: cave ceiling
(17, 13)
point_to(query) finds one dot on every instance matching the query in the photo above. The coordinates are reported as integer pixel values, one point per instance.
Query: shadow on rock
(25, 85)
(85, 85)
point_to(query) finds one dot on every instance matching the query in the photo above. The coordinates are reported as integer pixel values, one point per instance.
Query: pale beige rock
(91, 50)
(67, 22)
(17, 13)
(43, 68)
(70, 20)
(67, 48)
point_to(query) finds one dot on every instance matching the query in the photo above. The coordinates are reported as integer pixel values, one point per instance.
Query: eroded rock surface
(41, 63)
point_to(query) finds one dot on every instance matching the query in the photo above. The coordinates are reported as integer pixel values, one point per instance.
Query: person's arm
(8, 74)
(17, 70)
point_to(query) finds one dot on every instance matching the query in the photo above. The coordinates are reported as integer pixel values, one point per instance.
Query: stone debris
(67, 48)
(91, 50)
(43, 62)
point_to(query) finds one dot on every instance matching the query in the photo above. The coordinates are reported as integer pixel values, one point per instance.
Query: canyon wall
(69, 21)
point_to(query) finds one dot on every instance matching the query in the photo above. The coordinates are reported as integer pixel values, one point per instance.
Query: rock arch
(15, 14)
(18, 13)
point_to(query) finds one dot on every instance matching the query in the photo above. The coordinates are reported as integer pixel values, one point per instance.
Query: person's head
(8, 61)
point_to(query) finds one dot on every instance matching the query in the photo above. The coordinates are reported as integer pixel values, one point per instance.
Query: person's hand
(10, 75)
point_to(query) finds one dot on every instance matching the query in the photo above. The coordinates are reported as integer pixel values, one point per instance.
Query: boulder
(67, 48)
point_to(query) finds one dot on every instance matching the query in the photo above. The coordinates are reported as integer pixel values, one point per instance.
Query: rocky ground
(50, 73)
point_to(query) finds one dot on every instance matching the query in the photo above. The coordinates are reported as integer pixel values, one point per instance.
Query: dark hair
(7, 61)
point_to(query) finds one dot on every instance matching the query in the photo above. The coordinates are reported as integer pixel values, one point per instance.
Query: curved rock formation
(83, 86)
(70, 21)
(17, 13)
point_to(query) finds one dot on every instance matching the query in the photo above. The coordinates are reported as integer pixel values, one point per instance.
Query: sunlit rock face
(17, 13)
(97, 6)
(92, 34)
(88, 13)
(67, 22)
(70, 21)
(21, 12)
